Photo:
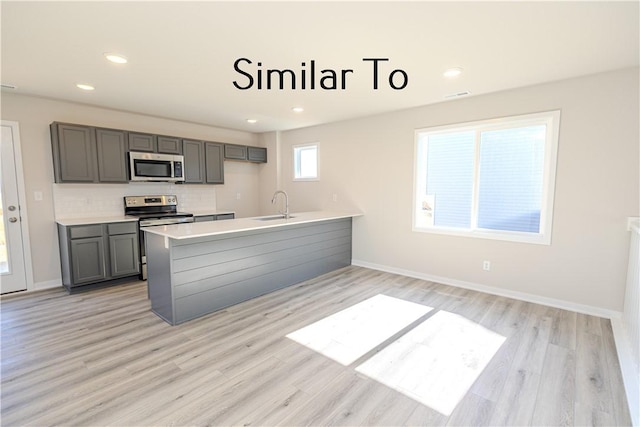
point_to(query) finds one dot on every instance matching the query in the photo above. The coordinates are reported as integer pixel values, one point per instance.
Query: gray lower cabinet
(98, 253)
(87, 260)
(218, 217)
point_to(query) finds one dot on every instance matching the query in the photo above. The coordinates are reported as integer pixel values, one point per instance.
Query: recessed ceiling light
(252, 121)
(297, 109)
(85, 87)
(118, 59)
(452, 72)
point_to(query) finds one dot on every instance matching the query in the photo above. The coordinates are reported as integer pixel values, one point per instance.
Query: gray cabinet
(235, 152)
(193, 151)
(169, 145)
(97, 253)
(203, 162)
(142, 142)
(87, 260)
(257, 154)
(214, 162)
(219, 217)
(88, 154)
(74, 153)
(112, 155)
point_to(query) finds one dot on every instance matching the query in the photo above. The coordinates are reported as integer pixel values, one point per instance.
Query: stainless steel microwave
(156, 167)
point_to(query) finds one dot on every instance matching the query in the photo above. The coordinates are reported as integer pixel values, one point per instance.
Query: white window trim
(552, 120)
(293, 152)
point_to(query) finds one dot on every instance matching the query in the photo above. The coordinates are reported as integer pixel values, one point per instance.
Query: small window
(305, 162)
(493, 179)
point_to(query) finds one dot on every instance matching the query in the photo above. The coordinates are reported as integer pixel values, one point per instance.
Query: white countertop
(212, 228)
(95, 220)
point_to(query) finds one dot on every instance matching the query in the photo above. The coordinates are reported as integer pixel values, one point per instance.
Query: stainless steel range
(153, 210)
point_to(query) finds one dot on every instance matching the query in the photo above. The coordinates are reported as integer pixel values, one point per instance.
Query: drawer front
(225, 216)
(84, 231)
(122, 228)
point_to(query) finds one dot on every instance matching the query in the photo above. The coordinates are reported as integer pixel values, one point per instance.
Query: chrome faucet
(286, 201)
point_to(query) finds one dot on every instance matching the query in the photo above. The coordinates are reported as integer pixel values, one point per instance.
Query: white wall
(368, 163)
(34, 116)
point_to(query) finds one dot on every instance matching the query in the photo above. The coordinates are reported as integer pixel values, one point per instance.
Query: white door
(12, 261)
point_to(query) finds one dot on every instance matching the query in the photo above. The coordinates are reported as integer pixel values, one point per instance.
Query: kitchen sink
(272, 217)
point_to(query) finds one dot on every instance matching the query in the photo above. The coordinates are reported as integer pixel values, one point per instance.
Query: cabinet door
(235, 152)
(193, 161)
(257, 154)
(214, 158)
(112, 155)
(87, 260)
(142, 142)
(74, 153)
(169, 145)
(123, 249)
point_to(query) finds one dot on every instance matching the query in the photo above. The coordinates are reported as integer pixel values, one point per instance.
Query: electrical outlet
(238, 196)
(37, 195)
(486, 265)
(335, 197)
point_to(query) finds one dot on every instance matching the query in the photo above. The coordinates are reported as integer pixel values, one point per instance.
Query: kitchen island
(198, 268)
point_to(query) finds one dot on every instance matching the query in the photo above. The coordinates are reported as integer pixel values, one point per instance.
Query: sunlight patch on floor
(351, 333)
(436, 362)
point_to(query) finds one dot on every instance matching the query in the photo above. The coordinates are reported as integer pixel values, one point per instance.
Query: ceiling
(181, 54)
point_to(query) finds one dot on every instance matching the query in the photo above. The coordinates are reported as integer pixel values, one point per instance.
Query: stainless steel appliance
(156, 167)
(153, 210)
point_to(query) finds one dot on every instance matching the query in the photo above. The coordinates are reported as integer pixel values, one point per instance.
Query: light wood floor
(103, 358)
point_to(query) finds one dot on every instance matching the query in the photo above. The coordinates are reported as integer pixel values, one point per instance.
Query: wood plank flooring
(103, 358)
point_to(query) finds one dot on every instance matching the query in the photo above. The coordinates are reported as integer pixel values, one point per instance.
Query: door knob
(13, 219)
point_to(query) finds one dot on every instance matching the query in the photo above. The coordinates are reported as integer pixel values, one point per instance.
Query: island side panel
(213, 273)
(159, 276)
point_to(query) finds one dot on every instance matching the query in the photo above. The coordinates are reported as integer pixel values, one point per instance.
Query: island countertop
(213, 228)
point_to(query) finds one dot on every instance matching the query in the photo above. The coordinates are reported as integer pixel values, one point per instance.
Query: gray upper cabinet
(112, 155)
(169, 145)
(214, 160)
(257, 154)
(74, 153)
(142, 142)
(193, 151)
(235, 152)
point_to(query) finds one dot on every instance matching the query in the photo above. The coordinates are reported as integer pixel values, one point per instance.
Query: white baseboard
(49, 284)
(523, 296)
(630, 371)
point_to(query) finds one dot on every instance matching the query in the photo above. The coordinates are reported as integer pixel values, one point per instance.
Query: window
(305, 162)
(492, 179)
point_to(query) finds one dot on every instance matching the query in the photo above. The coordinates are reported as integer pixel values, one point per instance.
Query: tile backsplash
(96, 200)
